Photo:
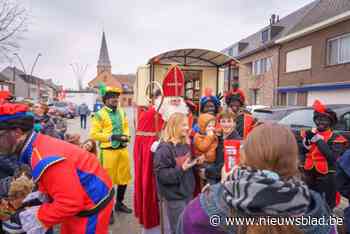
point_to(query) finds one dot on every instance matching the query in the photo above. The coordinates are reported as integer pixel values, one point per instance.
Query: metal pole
(14, 81)
(21, 62)
(34, 64)
(217, 80)
(229, 78)
(25, 73)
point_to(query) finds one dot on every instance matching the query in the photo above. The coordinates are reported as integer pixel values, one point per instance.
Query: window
(254, 96)
(299, 118)
(298, 60)
(302, 99)
(261, 66)
(339, 50)
(4, 87)
(343, 123)
(230, 51)
(291, 99)
(192, 85)
(346, 119)
(265, 36)
(283, 99)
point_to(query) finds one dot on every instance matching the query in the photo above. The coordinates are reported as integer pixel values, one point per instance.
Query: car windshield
(299, 118)
(268, 115)
(60, 104)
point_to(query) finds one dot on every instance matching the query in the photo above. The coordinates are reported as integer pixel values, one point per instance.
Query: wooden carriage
(202, 69)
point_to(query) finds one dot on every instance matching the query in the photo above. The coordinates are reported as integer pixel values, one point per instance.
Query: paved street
(124, 223)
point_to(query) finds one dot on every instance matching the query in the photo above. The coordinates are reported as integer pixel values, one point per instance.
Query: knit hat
(204, 120)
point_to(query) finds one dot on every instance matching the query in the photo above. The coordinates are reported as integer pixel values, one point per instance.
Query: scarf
(264, 193)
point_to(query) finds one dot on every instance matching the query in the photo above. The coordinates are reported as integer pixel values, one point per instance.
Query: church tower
(104, 64)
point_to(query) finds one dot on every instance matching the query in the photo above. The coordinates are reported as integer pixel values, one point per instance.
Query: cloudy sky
(69, 31)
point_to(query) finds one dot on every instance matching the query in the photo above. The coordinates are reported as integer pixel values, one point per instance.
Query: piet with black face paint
(324, 118)
(209, 103)
(322, 148)
(323, 123)
(209, 108)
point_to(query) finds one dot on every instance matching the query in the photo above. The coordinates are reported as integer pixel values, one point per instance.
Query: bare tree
(79, 71)
(13, 18)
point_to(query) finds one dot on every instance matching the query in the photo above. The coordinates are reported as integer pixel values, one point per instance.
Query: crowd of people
(182, 181)
(191, 163)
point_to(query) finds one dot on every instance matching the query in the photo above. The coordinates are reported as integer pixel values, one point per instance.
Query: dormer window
(270, 33)
(265, 35)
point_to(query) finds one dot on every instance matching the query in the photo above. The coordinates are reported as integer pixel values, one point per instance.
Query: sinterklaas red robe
(145, 195)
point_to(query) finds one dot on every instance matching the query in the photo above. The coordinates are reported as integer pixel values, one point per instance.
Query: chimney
(278, 19)
(272, 19)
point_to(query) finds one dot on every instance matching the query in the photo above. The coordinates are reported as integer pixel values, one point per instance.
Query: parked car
(273, 114)
(64, 108)
(302, 119)
(253, 108)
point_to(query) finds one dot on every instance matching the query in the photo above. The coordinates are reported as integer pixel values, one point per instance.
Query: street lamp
(34, 64)
(24, 69)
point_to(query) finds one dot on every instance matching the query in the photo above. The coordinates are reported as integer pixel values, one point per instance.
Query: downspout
(217, 80)
(276, 83)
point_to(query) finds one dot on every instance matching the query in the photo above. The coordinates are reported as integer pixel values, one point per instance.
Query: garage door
(339, 96)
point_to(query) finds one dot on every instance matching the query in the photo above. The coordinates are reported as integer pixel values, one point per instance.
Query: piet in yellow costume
(110, 128)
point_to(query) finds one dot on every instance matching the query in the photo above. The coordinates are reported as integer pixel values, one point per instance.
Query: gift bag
(231, 154)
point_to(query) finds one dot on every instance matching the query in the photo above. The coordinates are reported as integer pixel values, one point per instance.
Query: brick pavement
(124, 223)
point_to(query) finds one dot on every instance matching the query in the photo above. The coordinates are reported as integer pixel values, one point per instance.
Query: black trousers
(323, 184)
(83, 121)
(121, 193)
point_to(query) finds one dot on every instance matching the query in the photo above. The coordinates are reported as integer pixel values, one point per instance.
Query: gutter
(268, 45)
(316, 27)
(315, 87)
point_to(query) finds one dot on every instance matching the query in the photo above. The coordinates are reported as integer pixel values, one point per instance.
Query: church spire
(104, 64)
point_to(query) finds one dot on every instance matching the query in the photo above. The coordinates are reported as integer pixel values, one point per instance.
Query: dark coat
(172, 182)
(213, 172)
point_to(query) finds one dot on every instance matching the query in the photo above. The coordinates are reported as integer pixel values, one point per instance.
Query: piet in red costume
(80, 191)
(149, 124)
(235, 101)
(322, 148)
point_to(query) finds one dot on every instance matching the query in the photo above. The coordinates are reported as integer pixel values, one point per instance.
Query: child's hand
(205, 187)
(4, 208)
(201, 159)
(189, 163)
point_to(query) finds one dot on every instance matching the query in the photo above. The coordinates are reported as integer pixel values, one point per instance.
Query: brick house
(259, 57)
(301, 57)
(24, 86)
(6, 84)
(315, 57)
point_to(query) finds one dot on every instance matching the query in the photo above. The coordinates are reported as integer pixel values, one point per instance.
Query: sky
(69, 31)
